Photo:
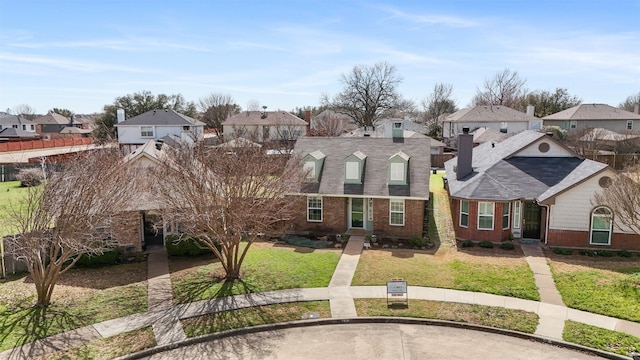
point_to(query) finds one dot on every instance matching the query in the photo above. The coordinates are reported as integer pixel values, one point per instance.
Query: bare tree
(546, 102)
(436, 106)
(623, 197)
(216, 108)
(504, 88)
(227, 199)
(25, 110)
(68, 216)
(631, 103)
(253, 105)
(328, 125)
(369, 92)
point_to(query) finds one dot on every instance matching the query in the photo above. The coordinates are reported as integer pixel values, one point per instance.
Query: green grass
(11, 194)
(254, 316)
(497, 317)
(83, 305)
(606, 292)
(436, 182)
(598, 338)
(265, 268)
(509, 279)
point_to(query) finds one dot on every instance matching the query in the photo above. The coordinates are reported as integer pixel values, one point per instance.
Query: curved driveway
(372, 341)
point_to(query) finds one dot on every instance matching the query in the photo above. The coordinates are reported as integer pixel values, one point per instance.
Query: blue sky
(82, 54)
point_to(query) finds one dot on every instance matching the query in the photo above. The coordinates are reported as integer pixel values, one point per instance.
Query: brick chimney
(465, 154)
(307, 118)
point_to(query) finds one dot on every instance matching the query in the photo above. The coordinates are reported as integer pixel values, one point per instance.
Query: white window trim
(314, 208)
(610, 226)
(153, 131)
(629, 124)
(464, 213)
(508, 214)
(573, 124)
(391, 201)
(517, 208)
(370, 209)
(493, 215)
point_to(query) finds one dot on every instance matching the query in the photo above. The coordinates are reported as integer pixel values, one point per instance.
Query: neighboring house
(533, 187)
(333, 122)
(82, 132)
(399, 127)
(587, 116)
(11, 134)
(264, 126)
(483, 135)
(496, 117)
(154, 125)
(54, 123)
(17, 122)
(365, 185)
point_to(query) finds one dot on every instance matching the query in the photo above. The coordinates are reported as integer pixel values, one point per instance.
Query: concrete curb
(370, 320)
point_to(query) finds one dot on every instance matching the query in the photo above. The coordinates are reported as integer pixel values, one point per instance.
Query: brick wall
(335, 217)
(567, 238)
(127, 229)
(471, 232)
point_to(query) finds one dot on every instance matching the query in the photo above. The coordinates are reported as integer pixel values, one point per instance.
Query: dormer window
(354, 167)
(312, 165)
(398, 168)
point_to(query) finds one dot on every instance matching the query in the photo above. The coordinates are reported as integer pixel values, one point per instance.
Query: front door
(357, 213)
(531, 221)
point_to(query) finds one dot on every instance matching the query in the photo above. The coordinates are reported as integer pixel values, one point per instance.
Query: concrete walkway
(165, 318)
(340, 299)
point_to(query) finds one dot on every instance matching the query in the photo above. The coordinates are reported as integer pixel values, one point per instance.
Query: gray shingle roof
(11, 132)
(593, 112)
(52, 119)
(375, 176)
(161, 117)
(272, 118)
(14, 120)
(499, 175)
(484, 113)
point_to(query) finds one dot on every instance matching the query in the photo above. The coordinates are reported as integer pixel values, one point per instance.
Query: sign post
(397, 292)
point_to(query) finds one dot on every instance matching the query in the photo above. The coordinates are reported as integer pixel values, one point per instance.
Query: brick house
(363, 185)
(533, 187)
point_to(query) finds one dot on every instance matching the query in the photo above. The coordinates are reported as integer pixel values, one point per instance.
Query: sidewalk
(165, 318)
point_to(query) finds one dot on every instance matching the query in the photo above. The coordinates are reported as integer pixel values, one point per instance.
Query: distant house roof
(149, 150)
(593, 112)
(161, 117)
(74, 130)
(489, 113)
(51, 119)
(17, 133)
(483, 135)
(246, 118)
(500, 175)
(606, 135)
(7, 119)
(239, 142)
(375, 174)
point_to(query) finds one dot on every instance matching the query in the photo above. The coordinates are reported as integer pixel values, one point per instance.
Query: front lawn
(500, 275)
(267, 267)
(11, 195)
(259, 315)
(598, 338)
(497, 317)
(82, 297)
(607, 288)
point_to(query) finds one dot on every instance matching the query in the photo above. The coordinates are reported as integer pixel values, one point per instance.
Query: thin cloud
(254, 45)
(80, 66)
(451, 21)
(130, 45)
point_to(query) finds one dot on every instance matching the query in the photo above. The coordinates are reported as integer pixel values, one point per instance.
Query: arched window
(601, 222)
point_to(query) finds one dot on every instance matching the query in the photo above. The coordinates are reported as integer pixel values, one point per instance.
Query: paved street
(372, 341)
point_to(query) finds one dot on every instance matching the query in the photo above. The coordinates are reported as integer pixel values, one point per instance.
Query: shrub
(417, 241)
(304, 242)
(185, 246)
(486, 244)
(507, 246)
(562, 251)
(467, 243)
(30, 177)
(107, 258)
(624, 253)
(605, 253)
(587, 252)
